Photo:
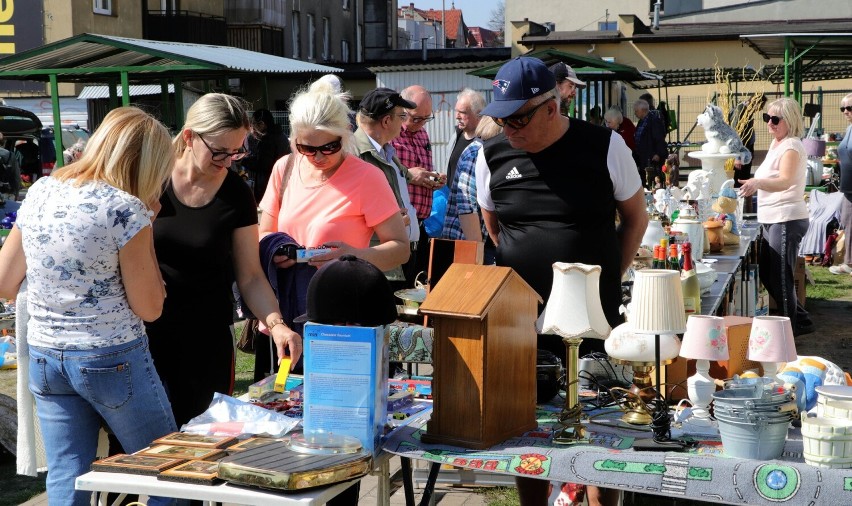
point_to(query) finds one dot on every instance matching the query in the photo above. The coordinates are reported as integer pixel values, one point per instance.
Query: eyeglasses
(519, 121)
(847, 108)
(218, 156)
(774, 119)
(422, 119)
(326, 149)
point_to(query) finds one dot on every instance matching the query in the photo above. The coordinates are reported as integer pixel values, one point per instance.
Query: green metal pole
(125, 89)
(178, 103)
(786, 66)
(57, 120)
(165, 100)
(113, 94)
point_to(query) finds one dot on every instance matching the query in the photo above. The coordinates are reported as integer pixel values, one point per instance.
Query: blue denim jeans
(75, 390)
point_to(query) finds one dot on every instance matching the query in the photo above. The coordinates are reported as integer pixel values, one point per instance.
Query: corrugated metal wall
(444, 85)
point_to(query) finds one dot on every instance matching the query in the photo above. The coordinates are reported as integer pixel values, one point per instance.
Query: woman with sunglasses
(330, 198)
(779, 183)
(844, 157)
(206, 238)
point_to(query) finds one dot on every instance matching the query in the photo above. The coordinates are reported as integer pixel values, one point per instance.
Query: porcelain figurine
(721, 137)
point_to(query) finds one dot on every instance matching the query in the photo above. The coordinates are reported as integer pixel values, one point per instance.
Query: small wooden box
(484, 356)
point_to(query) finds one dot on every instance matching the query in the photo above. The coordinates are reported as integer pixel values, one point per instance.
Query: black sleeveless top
(557, 206)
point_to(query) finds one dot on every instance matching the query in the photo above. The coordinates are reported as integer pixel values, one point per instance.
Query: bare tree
(497, 22)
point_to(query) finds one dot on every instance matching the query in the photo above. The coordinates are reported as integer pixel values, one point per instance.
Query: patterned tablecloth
(702, 473)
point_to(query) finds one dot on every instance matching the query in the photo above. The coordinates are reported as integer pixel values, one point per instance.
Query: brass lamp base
(643, 391)
(573, 430)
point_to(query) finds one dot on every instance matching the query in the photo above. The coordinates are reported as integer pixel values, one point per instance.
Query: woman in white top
(781, 210)
(83, 240)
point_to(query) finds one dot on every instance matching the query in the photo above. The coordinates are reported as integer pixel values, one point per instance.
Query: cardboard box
(799, 281)
(346, 389)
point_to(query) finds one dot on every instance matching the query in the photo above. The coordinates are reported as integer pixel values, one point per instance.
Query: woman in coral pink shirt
(331, 197)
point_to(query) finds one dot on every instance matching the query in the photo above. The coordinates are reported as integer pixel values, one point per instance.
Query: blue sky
(476, 12)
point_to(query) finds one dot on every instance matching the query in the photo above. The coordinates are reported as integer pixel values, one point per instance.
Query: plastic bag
(227, 416)
(8, 353)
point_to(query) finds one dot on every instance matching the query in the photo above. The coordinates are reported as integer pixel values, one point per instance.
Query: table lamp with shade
(657, 308)
(573, 312)
(705, 339)
(771, 342)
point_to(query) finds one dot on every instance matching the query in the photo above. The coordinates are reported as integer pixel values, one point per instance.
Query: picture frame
(199, 440)
(252, 442)
(182, 452)
(203, 472)
(135, 464)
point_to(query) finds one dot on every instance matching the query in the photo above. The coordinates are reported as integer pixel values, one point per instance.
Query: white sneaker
(840, 269)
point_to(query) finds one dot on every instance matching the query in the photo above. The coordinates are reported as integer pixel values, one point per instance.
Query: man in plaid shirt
(415, 152)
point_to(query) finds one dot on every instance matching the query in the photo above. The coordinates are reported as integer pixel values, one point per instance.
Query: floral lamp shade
(657, 302)
(705, 338)
(574, 307)
(771, 340)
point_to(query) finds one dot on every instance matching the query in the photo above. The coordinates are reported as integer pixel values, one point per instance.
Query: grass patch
(500, 496)
(16, 488)
(244, 368)
(828, 286)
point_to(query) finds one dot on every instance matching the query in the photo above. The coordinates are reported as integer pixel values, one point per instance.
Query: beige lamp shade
(705, 338)
(657, 302)
(771, 339)
(574, 307)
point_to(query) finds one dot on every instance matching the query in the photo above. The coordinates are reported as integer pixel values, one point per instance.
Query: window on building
(297, 36)
(311, 37)
(102, 7)
(344, 51)
(169, 5)
(608, 26)
(326, 39)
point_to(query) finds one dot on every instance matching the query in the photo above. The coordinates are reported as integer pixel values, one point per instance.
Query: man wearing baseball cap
(549, 189)
(567, 83)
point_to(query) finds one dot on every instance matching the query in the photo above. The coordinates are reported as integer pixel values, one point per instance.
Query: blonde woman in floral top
(84, 242)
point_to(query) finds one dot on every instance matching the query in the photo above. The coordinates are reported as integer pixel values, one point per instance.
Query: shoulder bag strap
(288, 170)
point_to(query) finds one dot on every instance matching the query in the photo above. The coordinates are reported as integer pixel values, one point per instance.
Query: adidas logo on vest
(513, 174)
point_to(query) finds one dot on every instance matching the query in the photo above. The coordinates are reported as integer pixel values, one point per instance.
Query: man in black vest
(549, 188)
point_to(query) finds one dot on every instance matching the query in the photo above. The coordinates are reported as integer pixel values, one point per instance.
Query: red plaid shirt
(414, 150)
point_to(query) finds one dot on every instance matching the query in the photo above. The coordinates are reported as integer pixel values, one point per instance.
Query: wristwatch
(274, 322)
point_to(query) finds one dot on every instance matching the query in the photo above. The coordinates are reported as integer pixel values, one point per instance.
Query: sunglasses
(847, 108)
(774, 119)
(326, 149)
(519, 121)
(218, 156)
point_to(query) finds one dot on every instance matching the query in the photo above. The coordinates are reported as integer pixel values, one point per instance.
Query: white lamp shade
(657, 302)
(574, 307)
(624, 343)
(705, 338)
(771, 339)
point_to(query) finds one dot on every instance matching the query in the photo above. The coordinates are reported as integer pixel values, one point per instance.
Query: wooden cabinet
(484, 356)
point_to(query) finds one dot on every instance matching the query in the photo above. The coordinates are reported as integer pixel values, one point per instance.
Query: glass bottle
(673, 261)
(689, 283)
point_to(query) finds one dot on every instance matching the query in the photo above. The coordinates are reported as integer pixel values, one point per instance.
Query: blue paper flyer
(346, 381)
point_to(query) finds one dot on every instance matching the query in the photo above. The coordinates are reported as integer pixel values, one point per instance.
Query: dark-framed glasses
(326, 149)
(774, 119)
(218, 156)
(519, 121)
(421, 119)
(846, 108)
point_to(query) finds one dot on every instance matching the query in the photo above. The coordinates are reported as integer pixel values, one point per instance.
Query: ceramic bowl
(706, 275)
(411, 297)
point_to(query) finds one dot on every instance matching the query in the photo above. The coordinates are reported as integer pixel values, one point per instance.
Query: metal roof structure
(587, 67)
(803, 53)
(93, 58)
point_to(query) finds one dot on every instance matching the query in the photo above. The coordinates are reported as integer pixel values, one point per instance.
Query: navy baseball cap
(516, 82)
(381, 101)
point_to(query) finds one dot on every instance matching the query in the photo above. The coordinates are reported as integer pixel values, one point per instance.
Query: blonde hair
(130, 150)
(322, 107)
(487, 128)
(213, 114)
(847, 99)
(792, 114)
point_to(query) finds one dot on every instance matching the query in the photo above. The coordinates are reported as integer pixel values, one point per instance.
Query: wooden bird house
(484, 356)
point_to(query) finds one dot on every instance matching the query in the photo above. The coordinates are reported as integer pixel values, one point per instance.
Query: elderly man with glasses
(415, 152)
(549, 189)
